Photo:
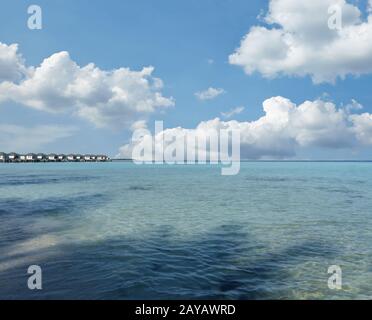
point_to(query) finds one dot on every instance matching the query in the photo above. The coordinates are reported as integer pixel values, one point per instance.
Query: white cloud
(298, 42)
(209, 94)
(353, 106)
(232, 112)
(11, 63)
(140, 124)
(31, 139)
(362, 126)
(286, 128)
(106, 98)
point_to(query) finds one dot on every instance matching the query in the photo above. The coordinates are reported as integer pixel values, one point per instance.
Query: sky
(296, 88)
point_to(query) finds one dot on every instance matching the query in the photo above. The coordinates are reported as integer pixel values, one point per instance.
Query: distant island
(41, 157)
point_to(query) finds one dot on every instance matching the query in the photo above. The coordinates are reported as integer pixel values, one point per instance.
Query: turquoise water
(123, 231)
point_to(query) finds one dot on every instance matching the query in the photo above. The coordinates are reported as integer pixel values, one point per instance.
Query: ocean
(124, 231)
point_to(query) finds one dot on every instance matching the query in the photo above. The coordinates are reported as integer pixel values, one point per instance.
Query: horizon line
(252, 160)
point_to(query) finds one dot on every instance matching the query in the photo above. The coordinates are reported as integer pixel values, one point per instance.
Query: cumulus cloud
(209, 94)
(353, 106)
(232, 112)
(26, 139)
(297, 41)
(106, 98)
(362, 126)
(11, 63)
(284, 129)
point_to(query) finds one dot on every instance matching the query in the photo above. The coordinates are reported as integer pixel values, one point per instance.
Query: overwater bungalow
(30, 157)
(71, 157)
(3, 157)
(52, 157)
(102, 158)
(41, 157)
(13, 157)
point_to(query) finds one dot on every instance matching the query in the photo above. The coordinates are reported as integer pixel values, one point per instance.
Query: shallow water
(123, 231)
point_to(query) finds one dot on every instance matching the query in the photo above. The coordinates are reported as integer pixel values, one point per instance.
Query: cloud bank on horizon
(285, 128)
(296, 41)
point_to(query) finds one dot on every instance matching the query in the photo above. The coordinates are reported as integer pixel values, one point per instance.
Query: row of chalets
(41, 157)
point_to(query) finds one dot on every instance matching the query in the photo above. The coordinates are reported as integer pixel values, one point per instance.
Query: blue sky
(187, 42)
